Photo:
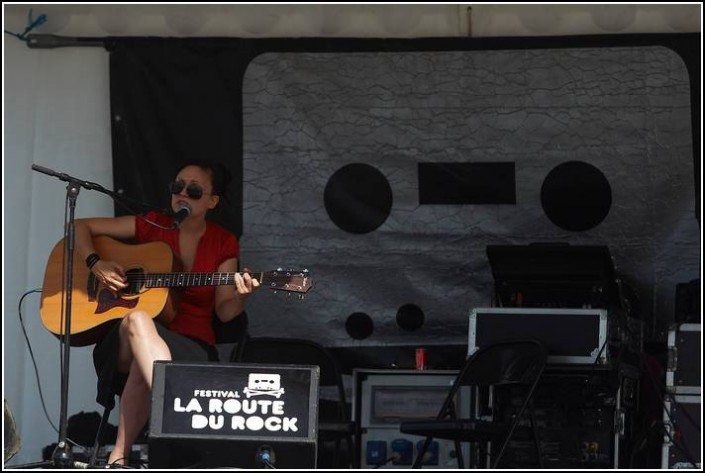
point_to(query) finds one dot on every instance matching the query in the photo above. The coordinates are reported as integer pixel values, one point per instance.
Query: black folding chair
(230, 337)
(510, 363)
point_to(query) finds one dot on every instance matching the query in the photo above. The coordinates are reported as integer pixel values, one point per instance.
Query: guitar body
(93, 306)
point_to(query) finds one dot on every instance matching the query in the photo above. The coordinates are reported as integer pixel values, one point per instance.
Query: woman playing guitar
(127, 353)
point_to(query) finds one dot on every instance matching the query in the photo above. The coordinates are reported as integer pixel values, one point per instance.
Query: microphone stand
(62, 456)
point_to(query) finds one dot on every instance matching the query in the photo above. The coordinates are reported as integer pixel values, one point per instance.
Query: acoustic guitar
(149, 271)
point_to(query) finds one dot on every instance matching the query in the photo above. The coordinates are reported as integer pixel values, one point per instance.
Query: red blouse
(195, 310)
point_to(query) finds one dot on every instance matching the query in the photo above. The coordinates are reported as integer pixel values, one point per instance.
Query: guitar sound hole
(135, 281)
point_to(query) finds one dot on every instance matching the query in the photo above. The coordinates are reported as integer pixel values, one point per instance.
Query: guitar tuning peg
(280, 269)
(305, 270)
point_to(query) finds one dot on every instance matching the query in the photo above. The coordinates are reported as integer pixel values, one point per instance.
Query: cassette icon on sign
(259, 384)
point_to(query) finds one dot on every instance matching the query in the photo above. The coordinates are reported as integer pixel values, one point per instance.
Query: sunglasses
(193, 191)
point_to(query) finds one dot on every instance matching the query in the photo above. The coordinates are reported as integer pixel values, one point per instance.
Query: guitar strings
(224, 278)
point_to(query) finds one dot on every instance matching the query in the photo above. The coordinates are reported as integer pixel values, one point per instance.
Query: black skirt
(105, 356)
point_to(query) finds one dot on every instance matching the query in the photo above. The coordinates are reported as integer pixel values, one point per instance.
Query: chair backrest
(502, 363)
(508, 362)
(234, 331)
(296, 352)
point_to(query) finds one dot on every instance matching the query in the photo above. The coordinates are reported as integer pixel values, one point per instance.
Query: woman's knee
(137, 323)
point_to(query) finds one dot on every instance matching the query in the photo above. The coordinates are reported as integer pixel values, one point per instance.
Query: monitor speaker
(217, 415)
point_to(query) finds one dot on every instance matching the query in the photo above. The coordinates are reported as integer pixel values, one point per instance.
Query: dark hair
(219, 173)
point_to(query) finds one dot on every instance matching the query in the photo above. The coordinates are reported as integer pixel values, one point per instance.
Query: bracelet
(92, 259)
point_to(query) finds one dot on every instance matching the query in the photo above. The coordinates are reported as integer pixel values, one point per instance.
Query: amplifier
(383, 399)
(684, 370)
(571, 336)
(209, 415)
(580, 418)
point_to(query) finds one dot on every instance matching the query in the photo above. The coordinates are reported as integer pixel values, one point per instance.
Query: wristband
(92, 259)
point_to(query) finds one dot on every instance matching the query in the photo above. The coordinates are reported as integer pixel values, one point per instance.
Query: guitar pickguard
(105, 298)
(135, 284)
(108, 300)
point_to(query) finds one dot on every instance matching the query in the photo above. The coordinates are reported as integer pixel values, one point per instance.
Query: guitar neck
(193, 279)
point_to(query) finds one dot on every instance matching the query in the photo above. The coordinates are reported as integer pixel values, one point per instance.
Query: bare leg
(140, 342)
(134, 413)
(140, 346)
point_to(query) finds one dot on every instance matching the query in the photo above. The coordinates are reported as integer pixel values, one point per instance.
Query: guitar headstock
(289, 280)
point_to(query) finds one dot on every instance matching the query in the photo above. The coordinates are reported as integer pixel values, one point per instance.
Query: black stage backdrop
(173, 101)
(393, 225)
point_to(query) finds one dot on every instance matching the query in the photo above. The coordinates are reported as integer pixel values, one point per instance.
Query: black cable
(643, 441)
(599, 353)
(662, 398)
(677, 442)
(31, 354)
(34, 363)
(154, 224)
(265, 455)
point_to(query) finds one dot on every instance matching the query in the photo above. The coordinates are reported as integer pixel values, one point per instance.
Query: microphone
(180, 216)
